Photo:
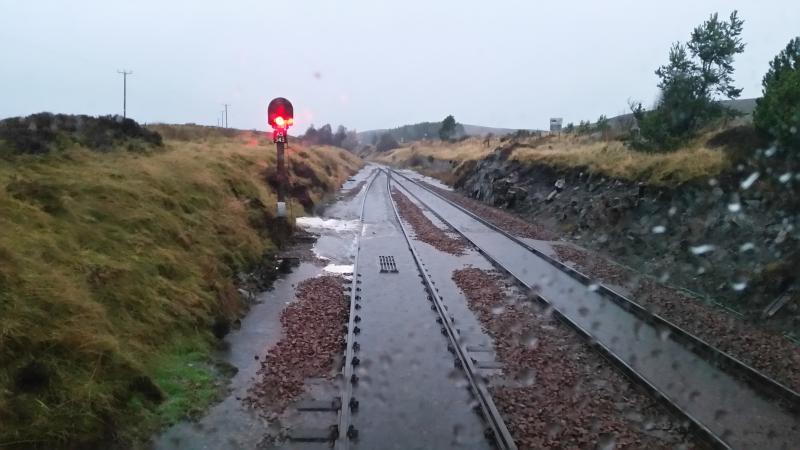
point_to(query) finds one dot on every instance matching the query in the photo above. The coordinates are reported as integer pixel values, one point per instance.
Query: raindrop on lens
(606, 442)
(746, 247)
(785, 177)
(749, 180)
(659, 229)
(701, 249)
(739, 286)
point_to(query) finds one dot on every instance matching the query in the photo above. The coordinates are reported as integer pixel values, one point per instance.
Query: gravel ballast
(763, 349)
(558, 393)
(425, 230)
(312, 336)
(767, 351)
(497, 217)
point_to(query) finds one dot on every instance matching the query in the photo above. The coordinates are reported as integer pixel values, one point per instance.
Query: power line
(124, 74)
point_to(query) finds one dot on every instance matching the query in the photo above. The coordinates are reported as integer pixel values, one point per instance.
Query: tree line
(343, 138)
(697, 76)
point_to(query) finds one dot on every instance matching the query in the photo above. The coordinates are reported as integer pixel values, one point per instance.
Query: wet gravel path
(425, 230)
(312, 338)
(497, 217)
(559, 393)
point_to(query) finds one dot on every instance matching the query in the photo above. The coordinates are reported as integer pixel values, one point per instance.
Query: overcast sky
(365, 64)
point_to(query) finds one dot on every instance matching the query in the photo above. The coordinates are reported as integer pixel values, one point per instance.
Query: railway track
(346, 433)
(714, 433)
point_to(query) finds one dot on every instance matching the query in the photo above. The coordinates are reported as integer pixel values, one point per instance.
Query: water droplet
(530, 340)
(672, 211)
(701, 249)
(734, 207)
(593, 287)
(770, 151)
(749, 180)
(659, 229)
(527, 377)
(746, 247)
(785, 177)
(606, 442)
(739, 285)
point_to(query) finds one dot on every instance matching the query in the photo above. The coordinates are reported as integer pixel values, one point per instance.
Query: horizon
(355, 66)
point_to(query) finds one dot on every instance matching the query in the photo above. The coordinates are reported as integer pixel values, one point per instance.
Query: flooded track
(418, 366)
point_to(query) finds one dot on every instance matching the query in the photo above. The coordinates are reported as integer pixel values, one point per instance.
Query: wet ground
(230, 424)
(410, 394)
(721, 402)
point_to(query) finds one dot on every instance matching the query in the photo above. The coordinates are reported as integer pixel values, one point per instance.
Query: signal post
(280, 116)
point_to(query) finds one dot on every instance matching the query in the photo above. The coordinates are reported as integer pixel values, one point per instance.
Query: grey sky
(365, 64)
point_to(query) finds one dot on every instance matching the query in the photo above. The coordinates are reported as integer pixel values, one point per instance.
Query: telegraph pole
(226, 114)
(124, 74)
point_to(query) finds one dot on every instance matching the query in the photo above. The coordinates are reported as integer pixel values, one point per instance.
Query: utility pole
(222, 119)
(124, 74)
(226, 114)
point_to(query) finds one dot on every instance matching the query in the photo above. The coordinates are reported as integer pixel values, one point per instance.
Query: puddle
(322, 225)
(338, 268)
(230, 424)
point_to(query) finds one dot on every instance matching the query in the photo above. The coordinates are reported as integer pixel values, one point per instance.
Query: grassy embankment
(612, 158)
(114, 266)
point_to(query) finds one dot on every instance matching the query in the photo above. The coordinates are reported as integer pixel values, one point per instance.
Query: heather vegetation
(119, 268)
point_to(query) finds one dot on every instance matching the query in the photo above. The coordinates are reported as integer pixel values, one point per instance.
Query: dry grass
(110, 263)
(615, 160)
(610, 158)
(465, 150)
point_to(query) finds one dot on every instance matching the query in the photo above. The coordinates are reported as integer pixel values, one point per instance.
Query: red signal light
(280, 113)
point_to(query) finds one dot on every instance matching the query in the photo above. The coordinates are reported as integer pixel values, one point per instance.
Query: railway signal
(280, 116)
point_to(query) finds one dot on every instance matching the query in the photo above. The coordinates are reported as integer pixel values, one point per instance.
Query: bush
(777, 113)
(43, 132)
(386, 142)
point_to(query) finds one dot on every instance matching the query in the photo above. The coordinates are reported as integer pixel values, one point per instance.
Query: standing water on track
(230, 424)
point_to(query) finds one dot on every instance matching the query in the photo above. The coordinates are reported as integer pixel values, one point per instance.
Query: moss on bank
(113, 268)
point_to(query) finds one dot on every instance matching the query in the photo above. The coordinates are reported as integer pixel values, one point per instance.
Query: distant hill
(415, 132)
(743, 105)
(403, 133)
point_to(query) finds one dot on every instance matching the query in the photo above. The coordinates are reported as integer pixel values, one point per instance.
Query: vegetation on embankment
(700, 159)
(117, 267)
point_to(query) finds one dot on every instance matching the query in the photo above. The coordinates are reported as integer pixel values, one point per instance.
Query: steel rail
(786, 396)
(499, 432)
(696, 425)
(345, 430)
